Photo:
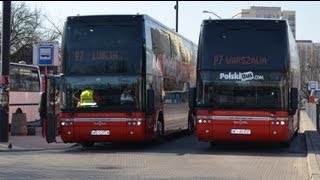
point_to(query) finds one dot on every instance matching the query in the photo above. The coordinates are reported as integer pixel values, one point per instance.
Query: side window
(24, 79)
(175, 92)
(148, 36)
(29, 80)
(149, 51)
(175, 48)
(155, 36)
(15, 78)
(160, 42)
(186, 50)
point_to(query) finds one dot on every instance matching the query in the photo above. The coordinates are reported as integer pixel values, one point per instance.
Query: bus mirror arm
(150, 100)
(192, 97)
(294, 101)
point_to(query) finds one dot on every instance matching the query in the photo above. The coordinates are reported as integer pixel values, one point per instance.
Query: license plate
(100, 132)
(240, 131)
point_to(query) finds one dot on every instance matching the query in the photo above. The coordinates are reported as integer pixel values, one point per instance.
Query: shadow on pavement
(181, 144)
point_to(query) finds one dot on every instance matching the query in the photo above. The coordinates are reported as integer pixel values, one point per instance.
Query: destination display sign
(222, 59)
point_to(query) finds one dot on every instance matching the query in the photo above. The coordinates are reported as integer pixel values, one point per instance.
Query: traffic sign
(46, 53)
(312, 85)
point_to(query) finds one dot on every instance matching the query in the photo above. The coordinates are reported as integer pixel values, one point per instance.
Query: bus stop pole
(43, 120)
(4, 76)
(45, 74)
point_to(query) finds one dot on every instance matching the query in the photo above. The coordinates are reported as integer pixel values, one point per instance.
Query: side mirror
(192, 97)
(43, 105)
(294, 101)
(150, 100)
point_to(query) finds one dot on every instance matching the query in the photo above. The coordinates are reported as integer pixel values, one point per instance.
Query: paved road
(180, 157)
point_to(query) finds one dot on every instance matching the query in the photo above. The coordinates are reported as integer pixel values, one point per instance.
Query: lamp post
(4, 71)
(176, 8)
(211, 13)
(239, 13)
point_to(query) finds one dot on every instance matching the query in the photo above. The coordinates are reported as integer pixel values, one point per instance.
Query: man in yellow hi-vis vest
(86, 98)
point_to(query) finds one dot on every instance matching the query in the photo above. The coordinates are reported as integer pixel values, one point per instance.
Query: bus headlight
(134, 123)
(66, 123)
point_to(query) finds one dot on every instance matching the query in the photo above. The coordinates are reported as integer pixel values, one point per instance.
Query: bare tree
(310, 66)
(53, 31)
(304, 74)
(27, 26)
(24, 25)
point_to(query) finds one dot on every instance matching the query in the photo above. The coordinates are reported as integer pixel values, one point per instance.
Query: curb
(20, 149)
(313, 167)
(4, 148)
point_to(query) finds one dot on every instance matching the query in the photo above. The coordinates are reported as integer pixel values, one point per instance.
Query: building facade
(270, 12)
(309, 53)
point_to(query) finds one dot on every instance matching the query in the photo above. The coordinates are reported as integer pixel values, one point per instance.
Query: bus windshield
(243, 44)
(241, 93)
(106, 93)
(102, 47)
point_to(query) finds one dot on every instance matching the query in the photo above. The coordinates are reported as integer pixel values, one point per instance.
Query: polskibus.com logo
(243, 76)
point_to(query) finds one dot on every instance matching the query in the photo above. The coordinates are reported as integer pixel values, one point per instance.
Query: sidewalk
(313, 145)
(32, 143)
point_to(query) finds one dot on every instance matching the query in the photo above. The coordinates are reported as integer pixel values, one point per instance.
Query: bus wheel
(87, 144)
(285, 144)
(160, 129)
(212, 143)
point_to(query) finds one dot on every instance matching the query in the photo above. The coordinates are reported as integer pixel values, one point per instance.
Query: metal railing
(313, 111)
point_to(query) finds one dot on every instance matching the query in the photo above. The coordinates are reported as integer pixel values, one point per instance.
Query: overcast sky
(190, 12)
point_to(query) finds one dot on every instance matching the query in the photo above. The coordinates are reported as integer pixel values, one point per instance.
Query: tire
(87, 144)
(160, 129)
(285, 144)
(212, 143)
(160, 133)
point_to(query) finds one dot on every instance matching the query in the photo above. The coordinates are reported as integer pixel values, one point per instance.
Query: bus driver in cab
(126, 97)
(89, 97)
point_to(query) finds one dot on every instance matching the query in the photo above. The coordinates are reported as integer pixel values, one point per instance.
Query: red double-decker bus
(248, 81)
(112, 54)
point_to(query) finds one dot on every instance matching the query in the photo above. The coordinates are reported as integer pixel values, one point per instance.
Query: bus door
(52, 121)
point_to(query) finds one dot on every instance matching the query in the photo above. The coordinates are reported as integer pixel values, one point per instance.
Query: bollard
(19, 123)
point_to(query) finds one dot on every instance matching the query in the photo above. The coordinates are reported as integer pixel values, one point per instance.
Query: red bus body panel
(259, 126)
(119, 126)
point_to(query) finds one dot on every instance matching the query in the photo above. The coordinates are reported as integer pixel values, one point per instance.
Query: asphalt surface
(38, 143)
